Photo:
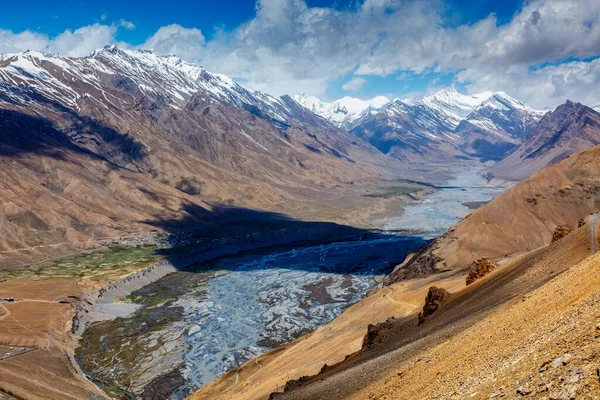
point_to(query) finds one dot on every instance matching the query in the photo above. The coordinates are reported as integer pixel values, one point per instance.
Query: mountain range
(444, 126)
(122, 144)
(122, 141)
(126, 140)
(570, 128)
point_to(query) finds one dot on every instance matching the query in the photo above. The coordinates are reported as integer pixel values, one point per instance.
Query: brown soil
(40, 319)
(522, 219)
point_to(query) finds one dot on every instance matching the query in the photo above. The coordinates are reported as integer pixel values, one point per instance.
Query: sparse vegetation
(100, 266)
(395, 191)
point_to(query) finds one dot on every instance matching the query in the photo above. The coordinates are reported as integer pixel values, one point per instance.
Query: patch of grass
(100, 266)
(395, 191)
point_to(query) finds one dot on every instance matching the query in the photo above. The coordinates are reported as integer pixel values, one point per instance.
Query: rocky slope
(521, 219)
(448, 355)
(528, 331)
(570, 128)
(122, 141)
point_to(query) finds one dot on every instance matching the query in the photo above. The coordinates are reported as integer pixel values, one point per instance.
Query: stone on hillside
(560, 232)
(479, 269)
(435, 297)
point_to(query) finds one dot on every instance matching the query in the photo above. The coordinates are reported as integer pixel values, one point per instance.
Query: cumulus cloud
(186, 43)
(289, 47)
(77, 43)
(354, 84)
(11, 42)
(543, 87)
(82, 41)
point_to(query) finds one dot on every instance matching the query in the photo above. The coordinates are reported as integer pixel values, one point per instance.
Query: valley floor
(42, 324)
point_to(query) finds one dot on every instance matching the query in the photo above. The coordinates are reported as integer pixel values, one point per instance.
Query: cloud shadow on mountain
(22, 133)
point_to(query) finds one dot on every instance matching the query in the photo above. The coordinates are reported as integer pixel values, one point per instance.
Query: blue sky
(53, 17)
(332, 48)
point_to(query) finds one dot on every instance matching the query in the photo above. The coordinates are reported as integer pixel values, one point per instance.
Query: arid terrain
(496, 337)
(167, 232)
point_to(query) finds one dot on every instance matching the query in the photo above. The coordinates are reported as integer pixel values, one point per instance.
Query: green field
(395, 191)
(97, 266)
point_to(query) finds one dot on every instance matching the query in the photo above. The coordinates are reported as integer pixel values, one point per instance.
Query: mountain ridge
(570, 128)
(169, 142)
(446, 125)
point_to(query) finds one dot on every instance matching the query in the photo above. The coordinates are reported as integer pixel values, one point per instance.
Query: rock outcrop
(434, 300)
(560, 232)
(479, 269)
(376, 333)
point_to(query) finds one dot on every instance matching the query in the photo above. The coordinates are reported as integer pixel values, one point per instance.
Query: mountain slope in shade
(342, 112)
(568, 129)
(124, 141)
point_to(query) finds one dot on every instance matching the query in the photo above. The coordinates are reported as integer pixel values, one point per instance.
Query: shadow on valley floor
(239, 233)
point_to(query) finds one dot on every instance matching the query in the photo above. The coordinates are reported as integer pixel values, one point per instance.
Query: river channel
(238, 307)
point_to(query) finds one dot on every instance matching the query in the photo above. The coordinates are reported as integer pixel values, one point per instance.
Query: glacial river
(274, 298)
(236, 307)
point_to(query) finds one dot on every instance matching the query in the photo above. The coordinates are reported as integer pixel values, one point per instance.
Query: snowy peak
(451, 101)
(448, 125)
(139, 73)
(342, 112)
(501, 113)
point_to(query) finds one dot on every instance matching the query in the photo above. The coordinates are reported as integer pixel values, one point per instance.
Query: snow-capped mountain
(66, 80)
(455, 103)
(122, 140)
(502, 113)
(342, 112)
(570, 128)
(449, 124)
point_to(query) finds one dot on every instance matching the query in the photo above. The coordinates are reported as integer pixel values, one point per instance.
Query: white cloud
(126, 24)
(82, 41)
(15, 42)
(544, 87)
(354, 84)
(77, 43)
(289, 47)
(186, 43)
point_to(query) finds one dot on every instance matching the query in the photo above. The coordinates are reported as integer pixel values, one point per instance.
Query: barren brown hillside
(112, 152)
(519, 220)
